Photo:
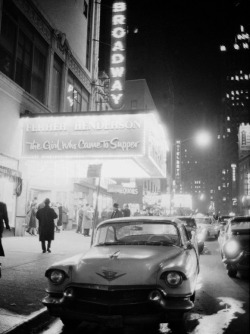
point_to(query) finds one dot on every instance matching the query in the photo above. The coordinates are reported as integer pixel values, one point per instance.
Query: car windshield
(203, 220)
(137, 233)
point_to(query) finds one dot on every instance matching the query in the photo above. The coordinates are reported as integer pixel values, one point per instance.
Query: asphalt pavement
(22, 285)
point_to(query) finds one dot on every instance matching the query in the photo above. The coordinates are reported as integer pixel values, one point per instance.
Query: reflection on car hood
(124, 265)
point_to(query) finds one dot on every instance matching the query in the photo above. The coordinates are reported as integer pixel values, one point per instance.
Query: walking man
(46, 218)
(3, 219)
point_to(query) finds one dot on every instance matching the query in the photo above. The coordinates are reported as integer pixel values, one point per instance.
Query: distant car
(208, 226)
(137, 270)
(191, 226)
(234, 245)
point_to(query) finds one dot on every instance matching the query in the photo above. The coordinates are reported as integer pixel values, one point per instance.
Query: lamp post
(202, 139)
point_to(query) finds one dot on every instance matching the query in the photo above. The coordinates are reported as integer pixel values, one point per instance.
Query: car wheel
(232, 272)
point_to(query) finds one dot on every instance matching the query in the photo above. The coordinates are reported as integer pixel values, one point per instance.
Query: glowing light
(117, 57)
(223, 48)
(203, 138)
(236, 46)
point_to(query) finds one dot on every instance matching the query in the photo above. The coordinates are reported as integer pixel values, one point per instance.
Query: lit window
(246, 76)
(236, 77)
(223, 48)
(245, 46)
(224, 199)
(228, 95)
(228, 130)
(218, 136)
(241, 28)
(228, 118)
(232, 78)
(232, 92)
(236, 46)
(237, 92)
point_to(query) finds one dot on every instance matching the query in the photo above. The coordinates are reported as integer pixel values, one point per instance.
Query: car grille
(112, 302)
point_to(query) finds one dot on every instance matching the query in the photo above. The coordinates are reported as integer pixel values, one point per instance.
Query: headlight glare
(173, 279)
(232, 248)
(57, 276)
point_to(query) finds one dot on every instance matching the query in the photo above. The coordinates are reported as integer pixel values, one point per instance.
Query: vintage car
(138, 269)
(191, 226)
(234, 245)
(208, 226)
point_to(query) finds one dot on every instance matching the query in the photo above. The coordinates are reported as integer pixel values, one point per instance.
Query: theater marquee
(134, 139)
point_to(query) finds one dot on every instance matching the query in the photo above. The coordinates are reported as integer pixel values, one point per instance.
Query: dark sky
(176, 49)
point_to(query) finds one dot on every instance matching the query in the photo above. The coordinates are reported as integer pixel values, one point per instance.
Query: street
(222, 305)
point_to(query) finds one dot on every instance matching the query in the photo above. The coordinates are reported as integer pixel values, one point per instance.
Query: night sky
(174, 45)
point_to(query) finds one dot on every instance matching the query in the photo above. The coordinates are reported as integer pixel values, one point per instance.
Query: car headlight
(56, 276)
(173, 278)
(232, 248)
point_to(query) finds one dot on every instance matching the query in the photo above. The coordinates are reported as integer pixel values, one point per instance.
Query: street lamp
(202, 138)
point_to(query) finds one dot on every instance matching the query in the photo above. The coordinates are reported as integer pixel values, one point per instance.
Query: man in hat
(116, 211)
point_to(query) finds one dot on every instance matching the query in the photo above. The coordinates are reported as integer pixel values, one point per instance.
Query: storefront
(10, 185)
(58, 150)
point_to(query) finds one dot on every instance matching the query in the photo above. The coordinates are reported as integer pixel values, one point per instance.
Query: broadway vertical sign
(118, 56)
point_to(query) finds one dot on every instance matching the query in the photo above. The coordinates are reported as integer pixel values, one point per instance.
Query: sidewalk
(23, 283)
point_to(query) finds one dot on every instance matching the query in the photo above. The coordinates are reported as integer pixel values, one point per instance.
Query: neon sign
(118, 57)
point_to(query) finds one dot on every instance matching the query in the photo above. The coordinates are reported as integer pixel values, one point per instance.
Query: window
(56, 85)
(85, 9)
(77, 96)
(89, 32)
(25, 64)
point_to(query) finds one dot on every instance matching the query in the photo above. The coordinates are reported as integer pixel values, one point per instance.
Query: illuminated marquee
(118, 58)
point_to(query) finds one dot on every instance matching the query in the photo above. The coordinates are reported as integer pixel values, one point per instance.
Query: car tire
(232, 272)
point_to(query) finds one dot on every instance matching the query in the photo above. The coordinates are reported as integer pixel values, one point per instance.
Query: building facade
(235, 110)
(48, 65)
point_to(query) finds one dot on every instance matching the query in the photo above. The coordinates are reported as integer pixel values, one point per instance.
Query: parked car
(137, 270)
(208, 226)
(234, 245)
(191, 226)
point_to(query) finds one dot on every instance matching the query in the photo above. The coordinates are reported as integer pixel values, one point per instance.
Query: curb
(33, 324)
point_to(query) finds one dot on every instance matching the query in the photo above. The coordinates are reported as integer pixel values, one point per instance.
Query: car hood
(123, 265)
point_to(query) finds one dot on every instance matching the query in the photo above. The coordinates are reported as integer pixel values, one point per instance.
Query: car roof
(148, 219)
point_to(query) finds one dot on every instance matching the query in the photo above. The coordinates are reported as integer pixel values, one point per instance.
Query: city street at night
(124, 166)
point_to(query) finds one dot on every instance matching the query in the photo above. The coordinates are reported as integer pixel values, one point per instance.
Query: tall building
(48, 64)
(235, 67)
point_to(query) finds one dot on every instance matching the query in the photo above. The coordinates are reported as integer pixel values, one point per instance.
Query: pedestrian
(3, 220)
(31, 217)
(58, 222)
(116, 211)
(126, 211)
(80, 218)
(32, 229)
(65, 218)
(46, 218)
(87, 220)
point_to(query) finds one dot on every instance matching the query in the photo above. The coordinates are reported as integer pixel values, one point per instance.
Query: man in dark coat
(126, 211)
(3, 219)
(116, 211)
(46, 218)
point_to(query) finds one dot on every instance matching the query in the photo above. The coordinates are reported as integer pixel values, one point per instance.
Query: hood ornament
(115, 255)
(110, 275)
